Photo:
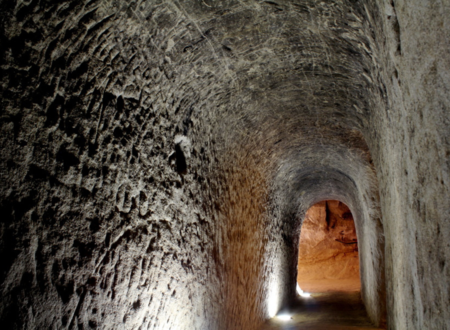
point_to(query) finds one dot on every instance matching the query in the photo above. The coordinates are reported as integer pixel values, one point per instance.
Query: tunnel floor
(325, 311)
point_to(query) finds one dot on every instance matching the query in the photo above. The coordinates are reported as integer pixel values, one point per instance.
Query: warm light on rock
(328, 251)
(302, 293)
(284, 317)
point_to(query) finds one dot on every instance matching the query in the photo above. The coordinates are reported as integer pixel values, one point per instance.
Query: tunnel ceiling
(292, 82)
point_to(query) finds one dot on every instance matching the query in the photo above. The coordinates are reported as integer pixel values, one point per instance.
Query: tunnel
(158, 158)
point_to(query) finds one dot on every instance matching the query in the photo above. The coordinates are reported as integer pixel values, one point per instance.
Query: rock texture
(157, 157)
(328, 251)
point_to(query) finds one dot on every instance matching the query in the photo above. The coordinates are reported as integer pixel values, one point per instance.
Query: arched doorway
(328, 249)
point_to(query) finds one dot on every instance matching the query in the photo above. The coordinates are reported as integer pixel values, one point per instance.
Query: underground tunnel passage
(157, 159)
(328, 276)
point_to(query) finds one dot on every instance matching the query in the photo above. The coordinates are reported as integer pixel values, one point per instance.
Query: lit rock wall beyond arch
(328, 258)
(145, 147)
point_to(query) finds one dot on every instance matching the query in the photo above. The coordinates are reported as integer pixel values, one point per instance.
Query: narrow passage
(328, 268)
(324, 311)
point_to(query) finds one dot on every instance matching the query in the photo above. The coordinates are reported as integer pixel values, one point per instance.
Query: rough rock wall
(328, 244)
(103, 180)
(125, 205)
(409, 140)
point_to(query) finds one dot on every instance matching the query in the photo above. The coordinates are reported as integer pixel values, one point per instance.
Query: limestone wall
(409, 139)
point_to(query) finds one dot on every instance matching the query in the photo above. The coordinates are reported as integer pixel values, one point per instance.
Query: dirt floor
(324, 311)
(349, 285)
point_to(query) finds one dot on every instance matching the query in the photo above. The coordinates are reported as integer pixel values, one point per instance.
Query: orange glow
(328, 250)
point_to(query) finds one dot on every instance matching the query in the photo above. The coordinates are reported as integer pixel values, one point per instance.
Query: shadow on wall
(328, 250)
